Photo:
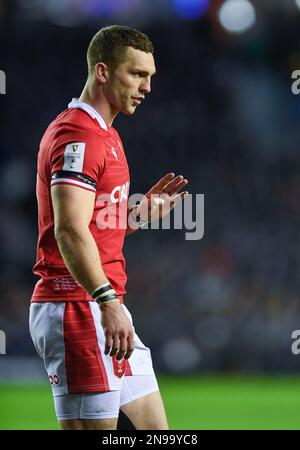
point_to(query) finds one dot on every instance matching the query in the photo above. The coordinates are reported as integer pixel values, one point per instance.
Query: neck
(94, 96)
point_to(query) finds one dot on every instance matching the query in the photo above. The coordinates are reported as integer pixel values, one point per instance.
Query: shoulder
(71, 126)
(77, 121)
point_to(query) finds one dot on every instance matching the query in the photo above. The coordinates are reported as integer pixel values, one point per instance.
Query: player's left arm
(157, 202)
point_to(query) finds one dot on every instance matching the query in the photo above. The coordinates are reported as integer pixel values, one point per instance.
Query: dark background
(221, 113)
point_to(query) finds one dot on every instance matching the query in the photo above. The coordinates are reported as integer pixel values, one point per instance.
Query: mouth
(137, 100)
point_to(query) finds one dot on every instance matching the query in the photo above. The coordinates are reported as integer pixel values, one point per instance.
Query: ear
(101, 72)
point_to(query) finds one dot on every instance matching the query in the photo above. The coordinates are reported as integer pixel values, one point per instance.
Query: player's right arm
(73, 208)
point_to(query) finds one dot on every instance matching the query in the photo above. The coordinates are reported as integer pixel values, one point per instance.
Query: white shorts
(70, 339)
(105, 405)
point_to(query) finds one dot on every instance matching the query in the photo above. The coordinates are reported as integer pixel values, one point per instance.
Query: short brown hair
(109, 43)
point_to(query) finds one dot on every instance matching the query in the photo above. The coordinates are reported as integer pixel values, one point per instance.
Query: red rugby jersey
(79, 149)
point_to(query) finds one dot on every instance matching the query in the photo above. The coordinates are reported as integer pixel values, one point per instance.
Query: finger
(121, 354)
(123, 348)
(175, 185)
(130, 346)
(115, 346)
(129, 353)
(162, 182)
(178, 186)
(108, 344)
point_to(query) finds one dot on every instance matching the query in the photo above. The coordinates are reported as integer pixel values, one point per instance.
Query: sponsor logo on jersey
(112, 212)
(120, 193)
(54, 379)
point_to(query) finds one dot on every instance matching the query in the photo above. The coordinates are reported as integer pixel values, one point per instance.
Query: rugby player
(96, 363)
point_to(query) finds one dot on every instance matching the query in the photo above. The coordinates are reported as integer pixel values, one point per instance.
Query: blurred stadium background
(218, 313)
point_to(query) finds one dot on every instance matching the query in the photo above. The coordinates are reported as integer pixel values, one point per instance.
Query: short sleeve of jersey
(78, 158)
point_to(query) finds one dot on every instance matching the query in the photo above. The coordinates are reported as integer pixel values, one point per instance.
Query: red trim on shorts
(128, 372)
(84, 365)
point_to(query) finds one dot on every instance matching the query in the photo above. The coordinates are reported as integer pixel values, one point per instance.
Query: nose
(145, 87)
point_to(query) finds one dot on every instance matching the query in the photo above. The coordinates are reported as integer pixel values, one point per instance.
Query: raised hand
(162, 197)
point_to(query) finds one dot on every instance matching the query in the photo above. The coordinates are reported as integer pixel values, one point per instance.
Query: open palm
(162, 197)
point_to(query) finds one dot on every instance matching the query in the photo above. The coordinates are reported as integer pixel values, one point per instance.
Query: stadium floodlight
(237, 16)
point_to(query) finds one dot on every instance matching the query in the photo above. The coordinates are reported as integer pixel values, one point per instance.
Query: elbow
(60, 234)
(67, 232)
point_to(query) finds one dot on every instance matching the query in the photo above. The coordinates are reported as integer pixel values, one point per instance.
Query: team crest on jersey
(74, 156)
(119, 366)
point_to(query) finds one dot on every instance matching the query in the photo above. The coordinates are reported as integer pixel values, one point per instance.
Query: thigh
(147, 413)
(142, 403)
(90, 424)
(140, 362)
(137, 386)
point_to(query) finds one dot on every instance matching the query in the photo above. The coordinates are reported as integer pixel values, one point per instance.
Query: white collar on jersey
(75, 103)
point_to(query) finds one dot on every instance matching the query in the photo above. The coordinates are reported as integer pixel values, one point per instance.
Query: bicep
(72, 206)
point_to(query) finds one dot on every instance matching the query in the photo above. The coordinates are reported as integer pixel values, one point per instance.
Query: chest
(115, 179)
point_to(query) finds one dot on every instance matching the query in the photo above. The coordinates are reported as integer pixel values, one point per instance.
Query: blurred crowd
(221, 113)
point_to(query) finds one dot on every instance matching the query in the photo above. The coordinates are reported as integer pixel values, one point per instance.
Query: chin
(129, 111)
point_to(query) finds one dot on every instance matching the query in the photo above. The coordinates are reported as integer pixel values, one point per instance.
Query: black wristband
(105, 294)
(101, 290)
(110, 298)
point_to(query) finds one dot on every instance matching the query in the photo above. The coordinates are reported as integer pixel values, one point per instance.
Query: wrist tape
(104, 294)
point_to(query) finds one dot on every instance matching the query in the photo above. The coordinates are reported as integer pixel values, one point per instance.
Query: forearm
(81, 256)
